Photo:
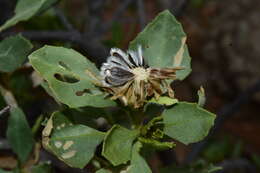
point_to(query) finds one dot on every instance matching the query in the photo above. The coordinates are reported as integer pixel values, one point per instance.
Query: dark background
(223, 39)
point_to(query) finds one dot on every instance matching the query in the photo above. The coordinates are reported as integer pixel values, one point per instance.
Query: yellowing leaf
(163, 41)
(73, 144)
(164, 100)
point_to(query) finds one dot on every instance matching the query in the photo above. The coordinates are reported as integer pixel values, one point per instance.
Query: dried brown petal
(128, 78)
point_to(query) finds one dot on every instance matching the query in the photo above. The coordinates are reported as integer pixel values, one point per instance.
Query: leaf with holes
(73, 144)
(163, 41)
(19, 134)
(13, 52)
(118, 143)
(24, 10)
(187, 122)
(71, 77)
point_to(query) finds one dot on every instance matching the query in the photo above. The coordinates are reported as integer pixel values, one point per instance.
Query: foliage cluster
(88, 127)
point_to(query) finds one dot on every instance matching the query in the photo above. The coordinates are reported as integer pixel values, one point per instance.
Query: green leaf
(13, 52)
(3, 171)
(163, 41)
(138, 164)
(17, 170)
(47, 88)
(89, 116)
(157, 144)
(213, 168)
(73, 144)
(164, 100)
(118, 143)
(71, 77)
(42, 168)
(19, 134)
(47, 4)
(103, 171)
(187, 122)
(24, 10)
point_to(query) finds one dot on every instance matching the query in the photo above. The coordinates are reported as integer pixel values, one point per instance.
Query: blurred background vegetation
(223, 39)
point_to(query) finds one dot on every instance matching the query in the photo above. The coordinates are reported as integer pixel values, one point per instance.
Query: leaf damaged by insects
(66, 78)
(69, 154)
(67, 74)
(65, 140)
(67, 145)
(47, 132)
(81, 93)
(139, 78)
(179, 55)
(172, 50)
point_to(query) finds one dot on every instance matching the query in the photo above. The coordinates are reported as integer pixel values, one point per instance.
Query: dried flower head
(128, 78)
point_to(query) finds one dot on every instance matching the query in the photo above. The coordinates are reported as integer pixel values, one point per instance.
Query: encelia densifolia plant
(115, 113)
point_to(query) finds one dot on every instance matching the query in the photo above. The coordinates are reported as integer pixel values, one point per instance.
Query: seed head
(127, 77)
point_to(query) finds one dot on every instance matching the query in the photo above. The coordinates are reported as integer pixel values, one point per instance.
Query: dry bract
(127, 77)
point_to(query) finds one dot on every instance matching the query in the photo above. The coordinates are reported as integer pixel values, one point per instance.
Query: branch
(229, 165)
(63, 19)
(94, 49)
(94, 19)
(4, 110)
(118, 13)
(4, 145)
(8, 97)
(178, 10)
(141, 13)
(6, 10)
(224, 113)
(70, 36)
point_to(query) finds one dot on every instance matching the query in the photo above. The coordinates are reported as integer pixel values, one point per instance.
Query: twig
(117, 14)
(141, 13)
(37, 125)
(224, 113)
(4, 145)
(94, 49)
(229, 165)
(94, 18)
(179, 9)
(6, 11)
(63, 19)
(4, 110)
(71, 36)
(8, 97)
